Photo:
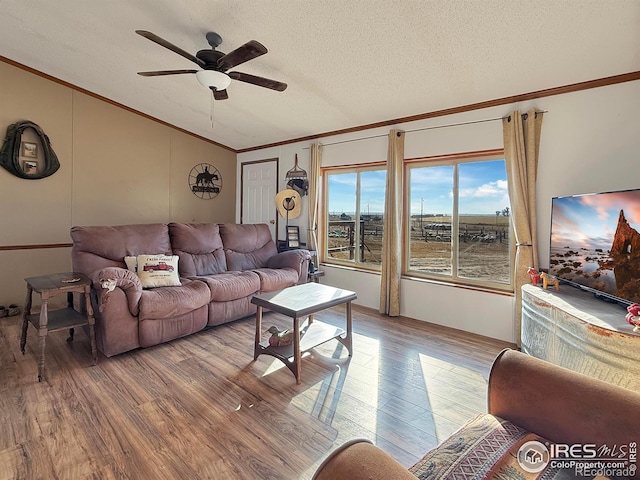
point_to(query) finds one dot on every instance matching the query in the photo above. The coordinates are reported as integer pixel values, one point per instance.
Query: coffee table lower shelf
(311, 336)
(302, 302)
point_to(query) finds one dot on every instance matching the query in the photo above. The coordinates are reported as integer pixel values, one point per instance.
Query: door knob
(272, 222)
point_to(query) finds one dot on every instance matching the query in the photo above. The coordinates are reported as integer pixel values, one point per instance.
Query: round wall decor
(205, 181)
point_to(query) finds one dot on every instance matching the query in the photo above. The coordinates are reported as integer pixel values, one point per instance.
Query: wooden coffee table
(298, 302)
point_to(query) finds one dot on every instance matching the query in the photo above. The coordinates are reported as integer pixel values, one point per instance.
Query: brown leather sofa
(221, 267)
(528, 400)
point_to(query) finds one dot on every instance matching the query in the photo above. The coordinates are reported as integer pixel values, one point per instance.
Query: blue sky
(482, 187)
(342, 190)
(590, 221)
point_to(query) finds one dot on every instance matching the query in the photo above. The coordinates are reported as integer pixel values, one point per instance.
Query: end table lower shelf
(65, 318)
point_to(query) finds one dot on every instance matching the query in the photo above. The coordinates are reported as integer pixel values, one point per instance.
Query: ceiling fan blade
(246, 52)
(260, 81)
(219, 94)
(162, 42)
(159, 73)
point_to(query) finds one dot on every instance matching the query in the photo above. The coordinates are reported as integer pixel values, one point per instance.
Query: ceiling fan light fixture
(212, 78)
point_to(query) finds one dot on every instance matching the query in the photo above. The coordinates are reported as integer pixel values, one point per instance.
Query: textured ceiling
(347, 62)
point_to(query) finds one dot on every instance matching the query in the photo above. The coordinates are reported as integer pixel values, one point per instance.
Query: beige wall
(589, 143)
(116, 167)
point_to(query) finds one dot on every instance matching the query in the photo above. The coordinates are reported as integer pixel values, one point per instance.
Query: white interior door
(259, 187)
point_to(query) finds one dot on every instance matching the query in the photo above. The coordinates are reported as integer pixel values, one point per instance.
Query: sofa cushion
(164, 302)
(276, 279)
(247, 246)
(98, 247)
(486, 447)
(154, 331)
(231, 285)
(224, 312)
(199, 247)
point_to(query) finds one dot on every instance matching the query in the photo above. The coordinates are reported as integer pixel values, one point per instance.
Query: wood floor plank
(200, 407)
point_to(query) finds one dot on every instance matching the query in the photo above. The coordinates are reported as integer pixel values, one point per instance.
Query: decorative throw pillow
(132, 263)
(158, 270)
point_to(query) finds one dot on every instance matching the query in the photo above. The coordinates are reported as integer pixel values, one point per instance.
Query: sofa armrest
(110, 278)
(297, 259)
(360, 460)
(560, 404)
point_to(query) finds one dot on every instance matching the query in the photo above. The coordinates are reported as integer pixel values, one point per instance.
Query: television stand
(574, 329)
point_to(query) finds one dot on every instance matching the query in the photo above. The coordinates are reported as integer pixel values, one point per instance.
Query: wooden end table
(48, 286)
(297, 302)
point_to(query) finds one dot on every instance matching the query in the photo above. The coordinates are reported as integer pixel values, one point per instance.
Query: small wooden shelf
(62, 319)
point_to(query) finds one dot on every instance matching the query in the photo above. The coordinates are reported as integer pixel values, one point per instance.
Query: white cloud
(491, 189)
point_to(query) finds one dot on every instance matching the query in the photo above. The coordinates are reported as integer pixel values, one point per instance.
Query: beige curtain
(314, 194)
(521, 142)
(392, 246)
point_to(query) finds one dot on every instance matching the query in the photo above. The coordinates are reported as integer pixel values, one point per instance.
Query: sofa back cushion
(98, 247)
(247, 246)
(199, 247)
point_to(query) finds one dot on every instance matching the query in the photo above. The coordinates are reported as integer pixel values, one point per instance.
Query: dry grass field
(483, 246)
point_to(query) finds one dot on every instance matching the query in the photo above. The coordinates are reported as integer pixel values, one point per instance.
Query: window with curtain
(353, 215)
(458, 224)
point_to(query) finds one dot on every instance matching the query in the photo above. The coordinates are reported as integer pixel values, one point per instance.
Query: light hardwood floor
(200, 407)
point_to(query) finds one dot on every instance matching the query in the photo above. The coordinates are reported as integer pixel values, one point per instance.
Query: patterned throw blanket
(489, 447)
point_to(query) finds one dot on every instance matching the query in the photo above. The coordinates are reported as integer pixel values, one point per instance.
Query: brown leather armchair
(558, 404)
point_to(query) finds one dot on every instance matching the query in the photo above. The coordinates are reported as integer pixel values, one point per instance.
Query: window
(459, 227)
(354, 215)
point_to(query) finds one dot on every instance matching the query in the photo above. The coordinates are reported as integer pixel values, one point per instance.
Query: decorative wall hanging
(297, 179)
(14, 148)
(205, 181)
(288, 204)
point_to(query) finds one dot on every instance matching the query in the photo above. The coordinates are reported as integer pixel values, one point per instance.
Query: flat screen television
(595, 243)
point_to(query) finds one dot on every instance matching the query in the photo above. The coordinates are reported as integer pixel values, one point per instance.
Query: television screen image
(595, 243)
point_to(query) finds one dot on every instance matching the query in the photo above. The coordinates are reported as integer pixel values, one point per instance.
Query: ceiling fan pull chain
(211, 114)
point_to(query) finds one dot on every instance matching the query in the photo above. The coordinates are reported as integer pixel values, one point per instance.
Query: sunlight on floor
(274, 367)
(445, 381)
(342, 395)
(278, 365)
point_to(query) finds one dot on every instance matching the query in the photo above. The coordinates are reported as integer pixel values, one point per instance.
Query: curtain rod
(524, 116)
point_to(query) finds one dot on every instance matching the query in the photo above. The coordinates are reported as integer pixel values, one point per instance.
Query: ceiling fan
(215, 64)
